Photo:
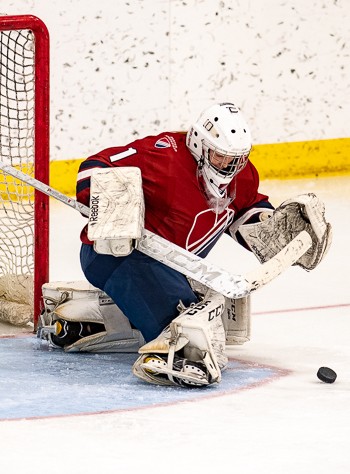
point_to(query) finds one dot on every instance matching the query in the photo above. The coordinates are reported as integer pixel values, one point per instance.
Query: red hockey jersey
(175, 207)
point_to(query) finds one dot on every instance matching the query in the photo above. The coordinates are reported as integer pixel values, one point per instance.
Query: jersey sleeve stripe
(85, 174)
(93, 164)
(81, 185)
(86, 171)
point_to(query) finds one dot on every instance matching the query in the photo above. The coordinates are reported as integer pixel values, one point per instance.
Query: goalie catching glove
(190, 351)
(304, 212)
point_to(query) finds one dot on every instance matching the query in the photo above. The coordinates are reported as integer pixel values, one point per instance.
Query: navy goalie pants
(146, 290)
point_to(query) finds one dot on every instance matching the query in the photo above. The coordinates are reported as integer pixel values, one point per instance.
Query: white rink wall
(123, 69)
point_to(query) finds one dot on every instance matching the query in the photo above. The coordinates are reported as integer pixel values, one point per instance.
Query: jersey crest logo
(163, 143)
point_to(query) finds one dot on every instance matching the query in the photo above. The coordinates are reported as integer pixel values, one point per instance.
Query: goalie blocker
(117, 210)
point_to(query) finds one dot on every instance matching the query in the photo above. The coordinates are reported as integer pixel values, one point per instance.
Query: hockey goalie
(189, 188)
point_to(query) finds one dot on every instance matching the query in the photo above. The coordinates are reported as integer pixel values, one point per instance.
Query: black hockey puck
(326, 374)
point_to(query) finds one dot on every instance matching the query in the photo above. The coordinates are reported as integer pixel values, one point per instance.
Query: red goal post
(24, 144)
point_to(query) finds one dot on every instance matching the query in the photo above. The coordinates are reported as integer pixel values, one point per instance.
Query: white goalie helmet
(220, 141)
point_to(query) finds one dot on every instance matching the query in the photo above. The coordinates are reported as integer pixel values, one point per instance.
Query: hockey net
(24, 144)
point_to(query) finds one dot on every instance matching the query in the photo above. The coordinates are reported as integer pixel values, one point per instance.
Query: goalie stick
(187, 263)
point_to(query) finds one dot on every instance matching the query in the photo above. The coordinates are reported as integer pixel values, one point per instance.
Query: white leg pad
(236, 318)
(80, 302)
(191, 350)
(237, 321)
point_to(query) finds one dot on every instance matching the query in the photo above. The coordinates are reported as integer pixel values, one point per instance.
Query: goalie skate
(190, 351)
(157, 371)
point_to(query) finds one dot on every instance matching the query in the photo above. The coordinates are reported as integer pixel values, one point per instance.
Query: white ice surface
(293, 425)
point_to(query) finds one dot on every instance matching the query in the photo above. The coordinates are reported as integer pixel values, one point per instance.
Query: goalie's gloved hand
(304, 212)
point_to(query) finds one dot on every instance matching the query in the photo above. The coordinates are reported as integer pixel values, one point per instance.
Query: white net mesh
(16, 198)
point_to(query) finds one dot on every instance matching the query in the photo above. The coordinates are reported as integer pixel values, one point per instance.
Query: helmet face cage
(223, 164)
